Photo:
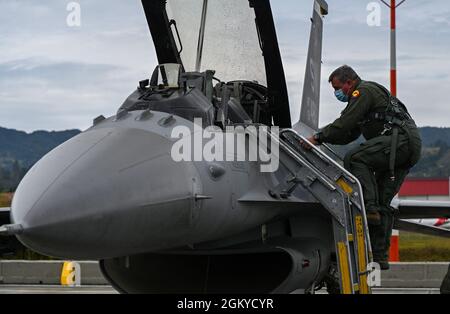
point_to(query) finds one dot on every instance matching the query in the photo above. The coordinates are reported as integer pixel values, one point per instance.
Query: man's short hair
(343, 74)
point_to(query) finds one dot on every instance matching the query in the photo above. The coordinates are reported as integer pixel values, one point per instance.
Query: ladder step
(341, 194)
(345, 186)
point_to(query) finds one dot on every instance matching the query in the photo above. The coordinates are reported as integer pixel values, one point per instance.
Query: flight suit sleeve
(346, 128)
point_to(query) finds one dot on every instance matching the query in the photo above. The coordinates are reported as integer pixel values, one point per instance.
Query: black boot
(381, 260)
(384, 264)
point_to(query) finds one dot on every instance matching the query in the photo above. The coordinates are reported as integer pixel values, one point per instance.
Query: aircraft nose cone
(33, 190)
(102, 194)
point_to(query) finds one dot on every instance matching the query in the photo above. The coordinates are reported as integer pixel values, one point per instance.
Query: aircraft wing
(415, 227)
(412, 209)
(4, 216)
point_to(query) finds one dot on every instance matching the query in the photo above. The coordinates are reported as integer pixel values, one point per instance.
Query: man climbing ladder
(382, 163)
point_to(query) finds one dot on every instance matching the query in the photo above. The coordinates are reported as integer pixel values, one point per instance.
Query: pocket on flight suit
(403, 153)
(372, 153)
(376, 144)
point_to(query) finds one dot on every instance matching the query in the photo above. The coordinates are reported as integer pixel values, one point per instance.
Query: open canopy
(235, 38)
(230, 39)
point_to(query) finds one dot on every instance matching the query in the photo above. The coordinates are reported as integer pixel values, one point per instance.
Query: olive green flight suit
(370, 161)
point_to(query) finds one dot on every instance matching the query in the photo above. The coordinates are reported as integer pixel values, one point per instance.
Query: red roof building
(425, 187)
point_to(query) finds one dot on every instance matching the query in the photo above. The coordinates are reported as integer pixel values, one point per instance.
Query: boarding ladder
(341, 194)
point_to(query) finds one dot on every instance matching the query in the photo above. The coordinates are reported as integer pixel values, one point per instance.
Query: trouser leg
(387, 191)
(380, 236)
(356, 161)
(365, 162)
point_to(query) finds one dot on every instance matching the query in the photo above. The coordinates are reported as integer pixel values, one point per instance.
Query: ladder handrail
(305, 163)
(321, 153)
(325, 156)
(346, 215)
(332, 151)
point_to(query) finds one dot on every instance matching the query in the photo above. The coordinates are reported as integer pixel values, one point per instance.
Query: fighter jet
(116, 194)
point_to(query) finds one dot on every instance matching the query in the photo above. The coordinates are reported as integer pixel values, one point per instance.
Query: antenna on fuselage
(201, 36)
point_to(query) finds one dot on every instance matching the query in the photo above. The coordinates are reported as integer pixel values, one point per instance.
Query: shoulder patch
(356, 94)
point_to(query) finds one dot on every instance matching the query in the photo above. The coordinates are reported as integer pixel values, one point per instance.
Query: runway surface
(42, 289)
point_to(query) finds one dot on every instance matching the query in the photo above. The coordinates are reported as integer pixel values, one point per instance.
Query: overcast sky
(56, 77)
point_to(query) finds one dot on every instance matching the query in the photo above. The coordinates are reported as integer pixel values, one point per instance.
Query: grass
(5, 199)
(422, 248)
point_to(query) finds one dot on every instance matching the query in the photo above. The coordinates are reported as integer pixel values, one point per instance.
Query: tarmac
(44, 277)
(53, 289)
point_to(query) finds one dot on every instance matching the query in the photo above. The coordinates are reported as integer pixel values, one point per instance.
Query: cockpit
(219, 60)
